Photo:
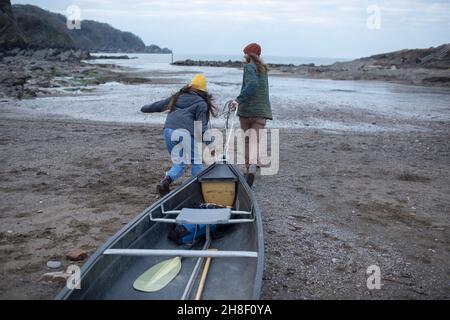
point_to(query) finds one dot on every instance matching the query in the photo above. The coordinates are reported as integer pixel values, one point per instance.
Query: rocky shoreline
(106, 57)
(355, 70)
(26, 73)
(228, 64)
(29, 73)
(424, 67)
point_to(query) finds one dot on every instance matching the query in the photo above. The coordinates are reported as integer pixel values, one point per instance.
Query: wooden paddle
(201, 284)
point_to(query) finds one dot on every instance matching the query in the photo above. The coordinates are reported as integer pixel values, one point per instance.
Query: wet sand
(340, 203)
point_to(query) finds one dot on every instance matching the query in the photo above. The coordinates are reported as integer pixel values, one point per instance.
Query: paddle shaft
(194, 274)
(201, 284)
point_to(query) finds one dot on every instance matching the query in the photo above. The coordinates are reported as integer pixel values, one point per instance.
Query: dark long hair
(260, 65)
(212, 109)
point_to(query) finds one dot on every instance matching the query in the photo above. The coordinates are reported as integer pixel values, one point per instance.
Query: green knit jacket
(254, 97)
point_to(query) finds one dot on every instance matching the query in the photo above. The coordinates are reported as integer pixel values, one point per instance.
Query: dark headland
(38, 52)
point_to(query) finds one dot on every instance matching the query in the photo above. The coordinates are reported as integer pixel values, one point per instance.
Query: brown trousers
(252, 123)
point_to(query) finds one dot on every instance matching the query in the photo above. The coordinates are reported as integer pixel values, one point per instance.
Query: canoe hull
(112, 276)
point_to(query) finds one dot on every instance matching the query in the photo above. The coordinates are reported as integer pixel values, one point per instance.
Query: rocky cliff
(27, 26)
(10, 34)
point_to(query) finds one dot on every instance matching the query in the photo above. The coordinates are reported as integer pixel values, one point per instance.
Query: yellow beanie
(199, 82)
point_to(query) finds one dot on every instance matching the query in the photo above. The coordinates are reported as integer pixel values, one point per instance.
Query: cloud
(311, 12)
(315, 28)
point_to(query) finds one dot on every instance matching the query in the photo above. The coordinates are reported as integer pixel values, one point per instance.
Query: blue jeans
(177, 169)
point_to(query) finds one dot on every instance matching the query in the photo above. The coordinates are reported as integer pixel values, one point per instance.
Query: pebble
(54, 264)
(334, 260)
(59, 276)
(76, 255)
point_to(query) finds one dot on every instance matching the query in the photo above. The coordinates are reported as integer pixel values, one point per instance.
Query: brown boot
(163, 187)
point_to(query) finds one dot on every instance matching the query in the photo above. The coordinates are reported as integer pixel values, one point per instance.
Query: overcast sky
(308, 28)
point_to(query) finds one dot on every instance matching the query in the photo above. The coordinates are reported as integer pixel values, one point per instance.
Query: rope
(227, 112)
(230, 132)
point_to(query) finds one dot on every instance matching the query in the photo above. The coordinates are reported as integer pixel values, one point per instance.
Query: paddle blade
(158, 276)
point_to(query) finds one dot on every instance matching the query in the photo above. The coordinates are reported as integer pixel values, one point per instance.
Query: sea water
(296, 102)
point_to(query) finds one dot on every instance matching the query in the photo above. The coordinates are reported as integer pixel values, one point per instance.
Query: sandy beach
(358, 92)
(341, 201)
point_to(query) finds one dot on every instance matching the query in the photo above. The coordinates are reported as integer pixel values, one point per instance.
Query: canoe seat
(204, 216)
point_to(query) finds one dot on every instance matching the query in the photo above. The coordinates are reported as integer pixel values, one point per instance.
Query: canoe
(236, 266)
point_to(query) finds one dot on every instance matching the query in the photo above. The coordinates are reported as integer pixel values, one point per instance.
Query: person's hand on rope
(233, 105)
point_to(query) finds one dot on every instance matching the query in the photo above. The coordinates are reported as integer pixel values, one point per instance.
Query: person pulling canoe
(253, 103)
(191, 103)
